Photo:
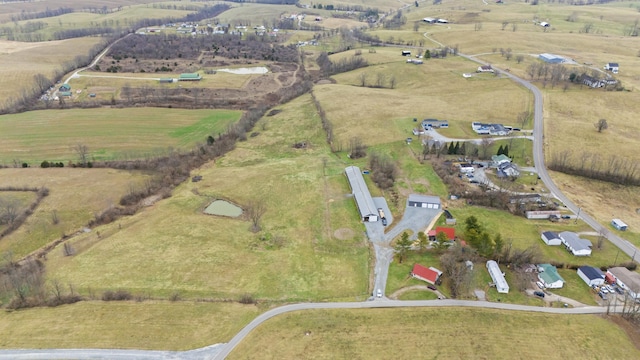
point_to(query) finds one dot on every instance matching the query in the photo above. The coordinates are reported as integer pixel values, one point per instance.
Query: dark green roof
(65, 87)
(190, 76)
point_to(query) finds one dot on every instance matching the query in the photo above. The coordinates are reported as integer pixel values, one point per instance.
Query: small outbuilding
(590, 275)
(613, 67)
(618, 224)
(430, 274)
(551, 238)
(485, 68)
(190, 77)
(450, 232)
(549, 277)
(424, 201)
(498, 277)
(551, 58)
(406, 53)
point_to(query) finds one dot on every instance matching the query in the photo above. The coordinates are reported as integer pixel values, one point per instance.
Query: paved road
(227, 348)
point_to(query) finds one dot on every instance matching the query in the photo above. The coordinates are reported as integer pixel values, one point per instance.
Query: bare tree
(601, 236)
(357, 149)
(485, 146)
(504, 25)
(54, 217)
(363, 79)
(601, 125)
(519, 58)
(392, 82)
(255, 210)
(68, 250)
(380, 77)
(82, 151)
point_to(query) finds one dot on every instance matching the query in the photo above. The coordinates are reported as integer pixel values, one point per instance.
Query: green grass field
(435, 333)
(109, 133)
(125, 325)
(304, 207)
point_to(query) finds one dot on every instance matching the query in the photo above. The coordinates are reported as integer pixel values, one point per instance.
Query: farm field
(20, 62)
(108, 133)
(11, 8)
(413, 98)
(157, 325)
(310, 246)
(74, 201)
(479, 333)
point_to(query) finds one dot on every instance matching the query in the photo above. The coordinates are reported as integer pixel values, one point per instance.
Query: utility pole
(577, 216)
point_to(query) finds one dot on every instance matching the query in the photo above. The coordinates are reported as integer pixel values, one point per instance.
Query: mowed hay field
(74, 194)
(435, 89)
(426, 333)
(108, 133)
(153, 325)
(20, 62)
(172, 247)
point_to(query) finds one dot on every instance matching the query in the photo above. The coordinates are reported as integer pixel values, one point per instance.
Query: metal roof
(360, 191)
(424, 198)
(591, 273)
(549, 273)
(629, 278)
(574, 241)
(498, 278)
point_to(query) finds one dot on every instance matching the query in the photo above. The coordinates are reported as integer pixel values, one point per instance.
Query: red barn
(430, 275)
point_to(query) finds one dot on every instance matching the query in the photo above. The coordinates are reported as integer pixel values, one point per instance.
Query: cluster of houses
(195, 29)
(490, 129)
(504, 167)
(64, 90)
(571, 241)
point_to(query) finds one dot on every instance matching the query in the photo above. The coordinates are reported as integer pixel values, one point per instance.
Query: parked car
(431, 287)
(602, 295)
(604, 290)
(379, 293)
(538, 294)
(540, 284)
(566, 217)
(384, 221)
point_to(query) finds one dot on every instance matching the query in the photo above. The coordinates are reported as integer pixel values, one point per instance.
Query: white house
(466, 168)
(613, 67)
(498, 277)
(574, 244)
(485, 68)
(497, 160)
(626, 279)
(551, 238)
(590, 275)
(549, 277)
(545, 24)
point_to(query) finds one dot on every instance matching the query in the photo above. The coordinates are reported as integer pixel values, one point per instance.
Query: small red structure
(451, 232)
(430, 275)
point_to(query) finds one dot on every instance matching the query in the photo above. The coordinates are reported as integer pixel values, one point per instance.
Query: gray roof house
(574, 244)
(551, 238)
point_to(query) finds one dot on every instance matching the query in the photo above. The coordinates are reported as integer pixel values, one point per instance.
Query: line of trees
(613, 168)
(25, 15)
(11, 213)
(329, 67)
(327, 126)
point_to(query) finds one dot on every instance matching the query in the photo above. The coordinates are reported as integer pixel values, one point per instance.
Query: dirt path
(399, 292)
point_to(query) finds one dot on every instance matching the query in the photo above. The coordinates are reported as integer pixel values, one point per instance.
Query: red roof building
(451, 232)
(429, 275)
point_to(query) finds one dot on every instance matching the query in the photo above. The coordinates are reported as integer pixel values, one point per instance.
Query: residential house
(65, 87)
(613, 67)
(428, 274)
(574, 244)
(466, 168)
(592, 82)
(489, 129)
(549, 277)
(418, 131)
(507, 170)
(551, 238)
(485, 68)
(429, 20)
(627, 280)
(497, 160)
(545, 24)
(498, 277)
(551, 58)
(434, 123)
(450, 232)
(590, 275)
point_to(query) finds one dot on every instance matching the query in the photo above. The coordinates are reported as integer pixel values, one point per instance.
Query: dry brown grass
(76, 194)
(20, 62)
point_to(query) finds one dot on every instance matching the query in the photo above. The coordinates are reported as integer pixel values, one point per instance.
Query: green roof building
(190, 77)
(65, 87)
(548, 275)
(65, 93)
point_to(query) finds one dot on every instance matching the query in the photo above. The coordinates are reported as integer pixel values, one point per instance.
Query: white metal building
(424, 201)
(626, 279)
(619, 224)
(574, 244)
(360, 191)
(498, 277)
(551, 238)
(592, 276)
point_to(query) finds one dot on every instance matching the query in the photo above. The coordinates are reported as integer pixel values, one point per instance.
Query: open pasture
(478, 333)
(75, 195)
(436, 89)
(299, 255)
(20, 62)
(108, 133)
(153, 325)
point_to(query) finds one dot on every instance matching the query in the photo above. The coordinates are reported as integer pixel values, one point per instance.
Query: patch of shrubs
(119, 295)
(46, 164)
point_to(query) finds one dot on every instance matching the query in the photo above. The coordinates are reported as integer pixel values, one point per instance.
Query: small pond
(223, 208)
(246, 71)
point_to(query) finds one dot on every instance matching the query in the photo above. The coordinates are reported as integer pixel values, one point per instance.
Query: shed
(618, 224)
(364, 201)
(166, 80)
(551, 58)
(498, 277)
(592, 276)
(545, 24)
(429, 20)
(190, 77)
(485, 68)
(551, 238)
(548, 275)
(424, 201)
(576, 245)
(626, 279)
(451, 232)
(430, 274)
(613, 67)
(406, 53)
